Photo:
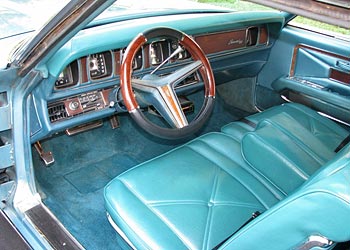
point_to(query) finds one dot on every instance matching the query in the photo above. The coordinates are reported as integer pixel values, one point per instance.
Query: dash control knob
(73, 105)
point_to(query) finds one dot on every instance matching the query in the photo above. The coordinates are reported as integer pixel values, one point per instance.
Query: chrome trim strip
(315, 241)
(120, 232)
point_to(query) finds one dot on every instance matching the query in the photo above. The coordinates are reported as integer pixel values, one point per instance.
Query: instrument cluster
(98, 66)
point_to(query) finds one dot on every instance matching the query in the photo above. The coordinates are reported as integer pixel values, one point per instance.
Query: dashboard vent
(57, 112)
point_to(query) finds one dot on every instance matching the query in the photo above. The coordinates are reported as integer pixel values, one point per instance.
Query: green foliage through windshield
(300, 21)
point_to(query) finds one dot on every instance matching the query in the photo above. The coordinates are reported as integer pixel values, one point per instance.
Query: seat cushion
(196, 195)
(300, 121)
(287, 144)
(190, 198)
(320, 207)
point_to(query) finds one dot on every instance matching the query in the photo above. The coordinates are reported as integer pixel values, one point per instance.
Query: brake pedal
(46, 156)
(114, 121)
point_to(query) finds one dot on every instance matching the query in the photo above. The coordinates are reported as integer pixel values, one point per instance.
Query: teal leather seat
(320, 207)
(190, 198)
(197, 195)
(299, 122)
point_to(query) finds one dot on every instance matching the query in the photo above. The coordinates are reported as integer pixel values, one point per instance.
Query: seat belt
(248, 122)
(342, 144)
(254, 215)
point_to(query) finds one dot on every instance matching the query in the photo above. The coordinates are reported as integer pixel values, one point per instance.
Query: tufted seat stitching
(234, 177)
(312, 122)
(206, 237)
(214, 189)
(247, 169)
(278, 154)
(187, 202)
(157, 214)
(196, 202)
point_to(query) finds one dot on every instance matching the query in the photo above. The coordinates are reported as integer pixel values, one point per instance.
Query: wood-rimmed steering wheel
(160, 90)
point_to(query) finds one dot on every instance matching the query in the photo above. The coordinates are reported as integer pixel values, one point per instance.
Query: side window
(299, 21)
(238, 5)
(320, 27)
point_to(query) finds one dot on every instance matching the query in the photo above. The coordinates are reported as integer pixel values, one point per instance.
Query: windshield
(23, 16)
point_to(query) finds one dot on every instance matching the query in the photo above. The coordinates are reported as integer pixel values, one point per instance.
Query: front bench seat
(192, 197)
(196, 195)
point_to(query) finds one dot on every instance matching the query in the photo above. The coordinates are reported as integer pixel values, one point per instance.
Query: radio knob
(74, 105)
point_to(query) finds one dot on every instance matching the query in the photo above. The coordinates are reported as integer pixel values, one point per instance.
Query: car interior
(196, 130)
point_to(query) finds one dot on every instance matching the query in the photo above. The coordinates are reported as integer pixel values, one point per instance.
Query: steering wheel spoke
(181, 74)
(170, 107)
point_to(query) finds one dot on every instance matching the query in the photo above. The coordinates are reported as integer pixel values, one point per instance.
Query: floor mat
(87, 179)
(73, 186)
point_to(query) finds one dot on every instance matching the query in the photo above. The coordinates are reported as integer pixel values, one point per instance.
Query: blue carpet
(73, 186)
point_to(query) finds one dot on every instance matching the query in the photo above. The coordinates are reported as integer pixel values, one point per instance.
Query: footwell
(72, 188)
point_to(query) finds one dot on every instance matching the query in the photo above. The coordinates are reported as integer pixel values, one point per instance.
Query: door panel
(312, 69)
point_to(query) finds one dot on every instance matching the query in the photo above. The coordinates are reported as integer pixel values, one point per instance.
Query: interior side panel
(312, 69)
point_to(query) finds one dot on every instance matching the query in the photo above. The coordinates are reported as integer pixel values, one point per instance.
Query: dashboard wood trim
(117, 62)
(206, 71)
(218, 42)
(263, 35)
(70, 111)
(83, 70)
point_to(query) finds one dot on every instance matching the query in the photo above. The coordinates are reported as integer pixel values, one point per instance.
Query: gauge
(100, 65)
(68, 77)
(182, 55)
(137, 62)
(159, 51)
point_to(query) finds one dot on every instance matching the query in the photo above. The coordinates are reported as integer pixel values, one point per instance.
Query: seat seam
(216, 203)
(210, 210)
(281, 156)
(243, 185)
(298, 142)
(249, 170)
(315, 118)
(252, 171)
(138, 196)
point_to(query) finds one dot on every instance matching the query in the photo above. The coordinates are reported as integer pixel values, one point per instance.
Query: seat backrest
(320, 207)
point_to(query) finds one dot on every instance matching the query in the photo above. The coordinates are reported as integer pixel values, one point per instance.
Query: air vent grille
(57, 112)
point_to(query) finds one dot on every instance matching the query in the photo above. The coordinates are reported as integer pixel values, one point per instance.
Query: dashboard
(88, 87)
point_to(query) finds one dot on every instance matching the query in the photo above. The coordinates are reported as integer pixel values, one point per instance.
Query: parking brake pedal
(46, 156)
